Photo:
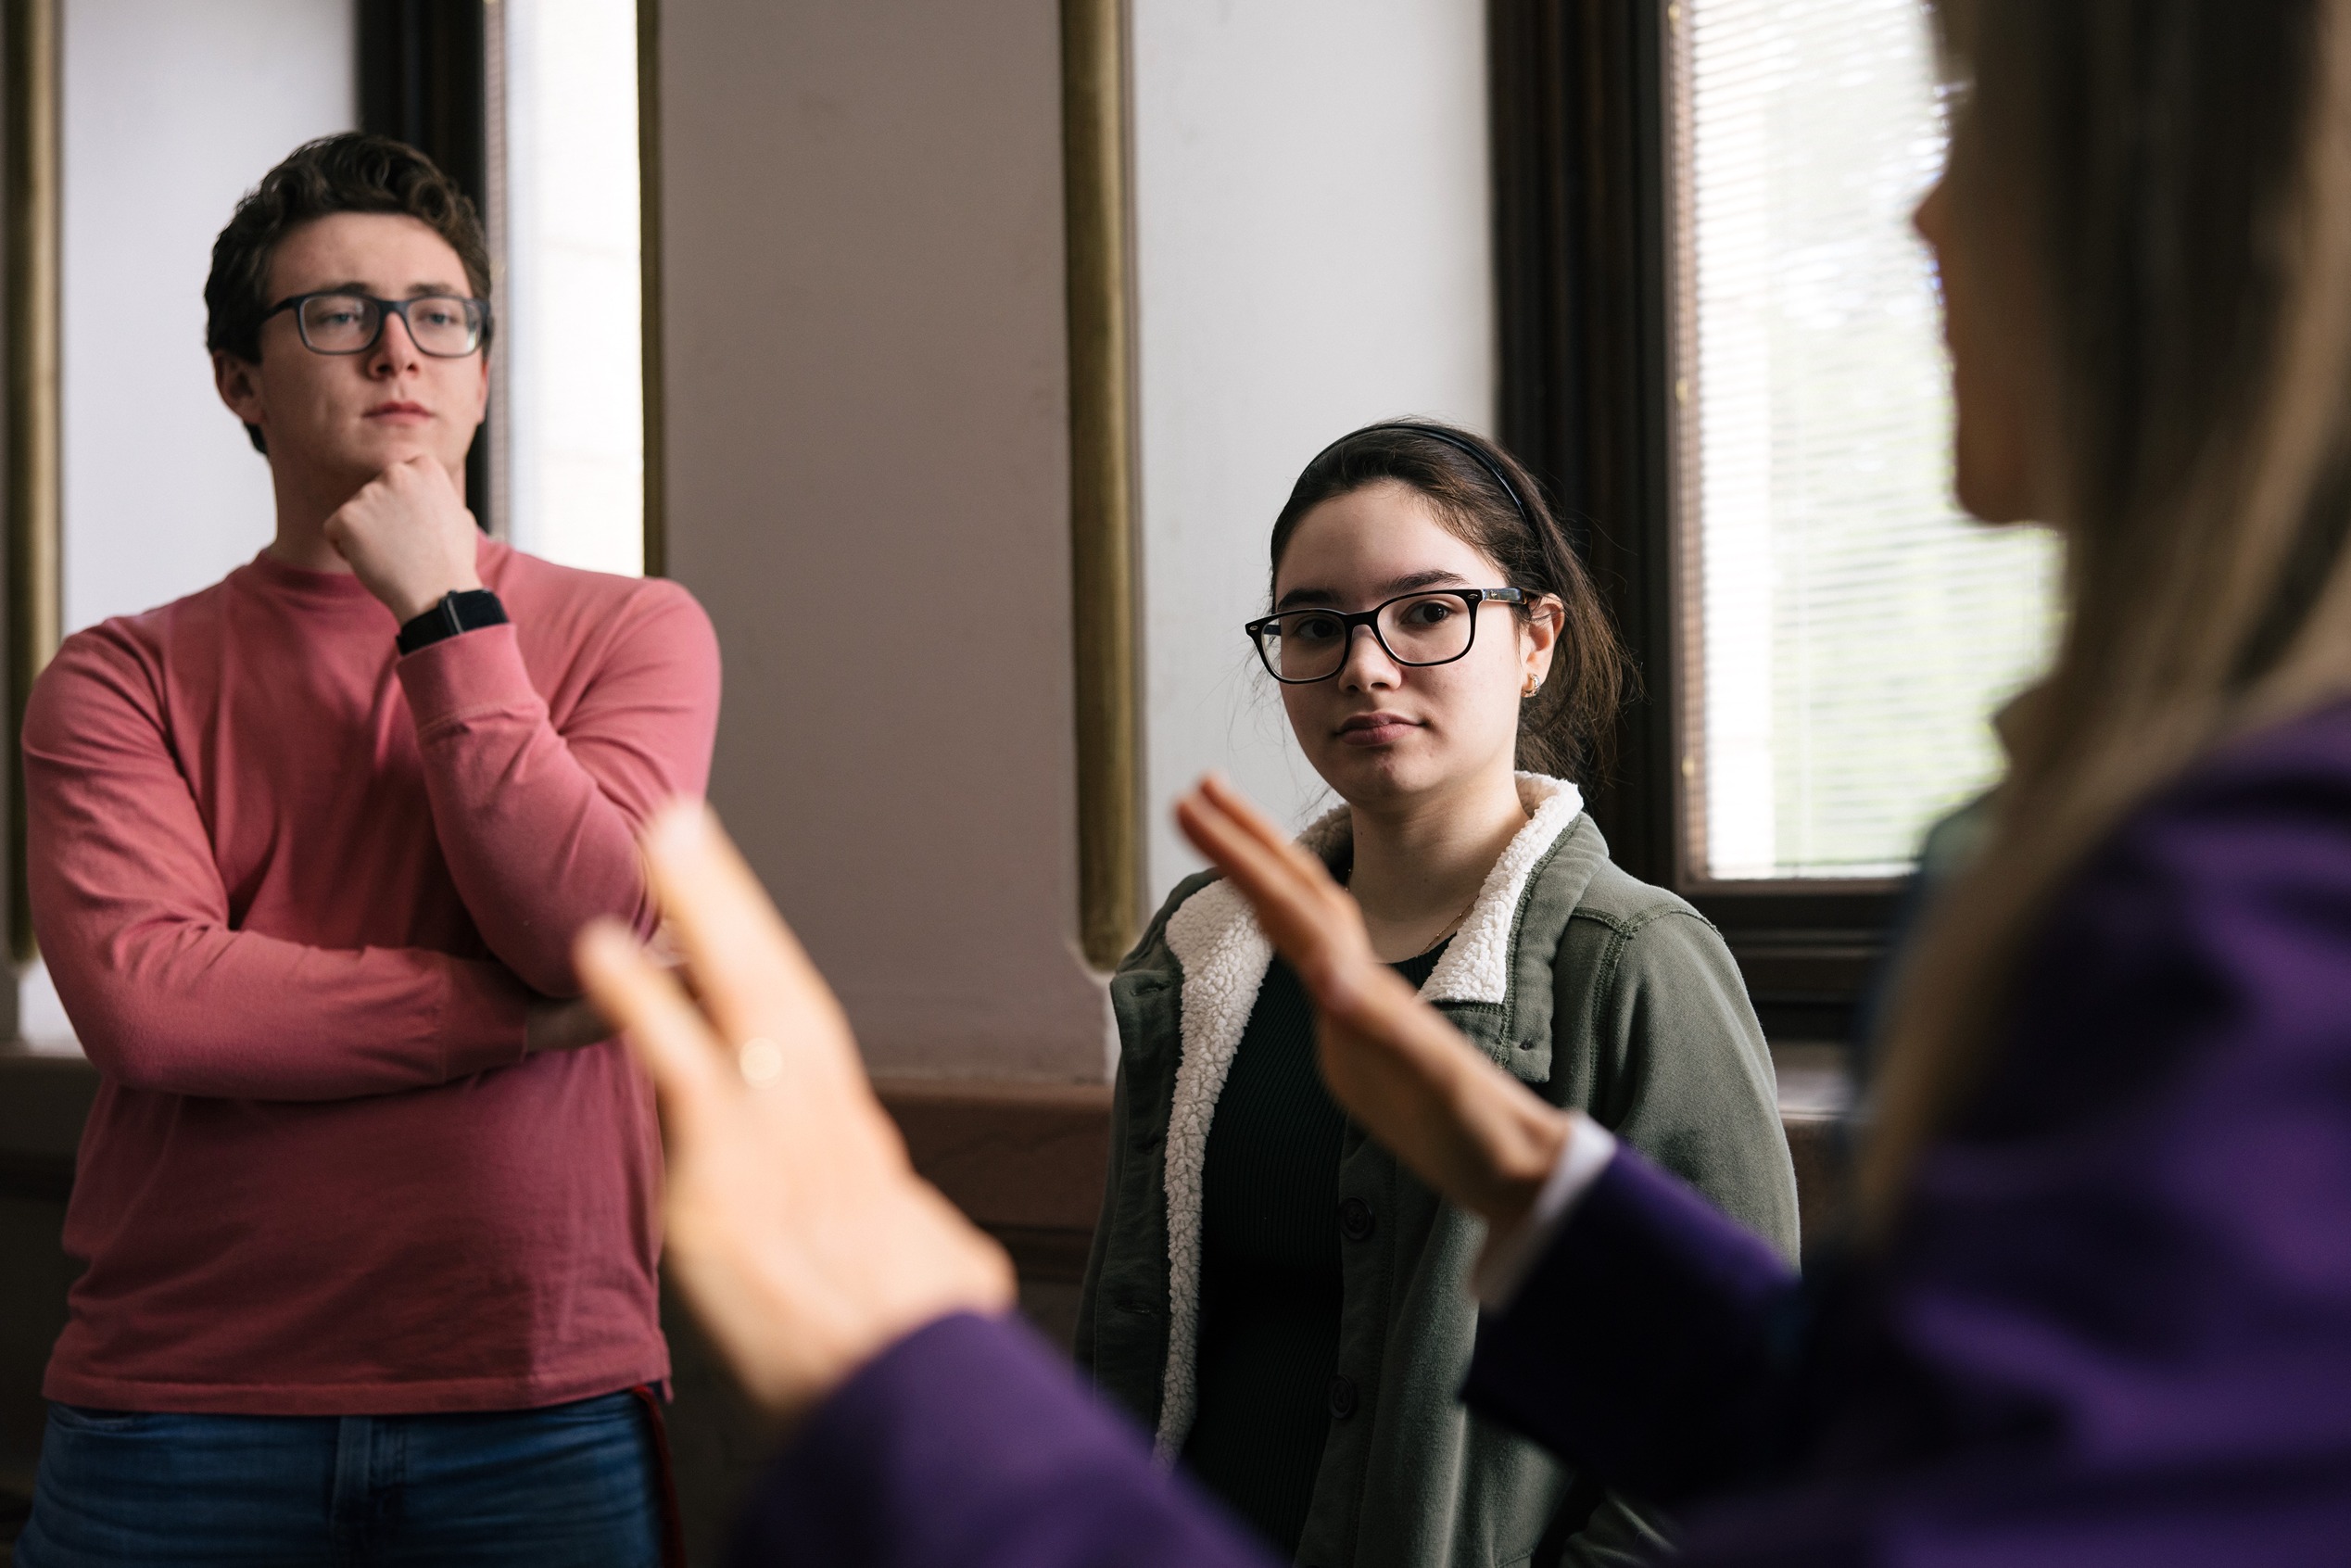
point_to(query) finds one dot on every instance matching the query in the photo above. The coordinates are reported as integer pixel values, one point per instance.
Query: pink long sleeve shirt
(296, 892)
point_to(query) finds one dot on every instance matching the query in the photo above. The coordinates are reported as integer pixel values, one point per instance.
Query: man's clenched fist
(409, 537)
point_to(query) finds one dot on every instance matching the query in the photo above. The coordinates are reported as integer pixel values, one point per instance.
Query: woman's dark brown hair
(1483, 497)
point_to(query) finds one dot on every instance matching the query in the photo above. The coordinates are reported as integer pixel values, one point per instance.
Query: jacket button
(1355, 1220)
(1341, 1398)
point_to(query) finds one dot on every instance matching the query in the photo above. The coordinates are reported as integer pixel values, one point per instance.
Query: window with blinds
(1853, 632)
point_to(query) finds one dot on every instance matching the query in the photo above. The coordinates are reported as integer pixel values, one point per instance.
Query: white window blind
(1855, 632)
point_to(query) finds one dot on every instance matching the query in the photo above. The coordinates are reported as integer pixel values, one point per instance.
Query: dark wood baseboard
(1024, 1161)
(43, 1102)
(1027, 1161)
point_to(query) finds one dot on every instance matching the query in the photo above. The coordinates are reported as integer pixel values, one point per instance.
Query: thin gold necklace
(1452, 926)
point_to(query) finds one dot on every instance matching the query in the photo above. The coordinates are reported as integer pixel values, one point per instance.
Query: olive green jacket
(1595, 991)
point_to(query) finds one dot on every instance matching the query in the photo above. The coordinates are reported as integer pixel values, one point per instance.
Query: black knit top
(1269, 1286)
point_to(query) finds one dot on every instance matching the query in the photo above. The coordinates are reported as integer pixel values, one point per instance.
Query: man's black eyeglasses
(1433, 627)
(443, 325)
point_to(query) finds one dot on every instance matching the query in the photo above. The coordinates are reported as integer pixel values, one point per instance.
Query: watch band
(456, 613)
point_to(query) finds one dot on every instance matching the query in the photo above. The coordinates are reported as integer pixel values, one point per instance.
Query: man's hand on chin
(409, 537)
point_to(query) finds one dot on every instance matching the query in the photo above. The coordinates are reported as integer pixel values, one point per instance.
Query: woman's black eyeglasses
(1433, 627)
(443, 325)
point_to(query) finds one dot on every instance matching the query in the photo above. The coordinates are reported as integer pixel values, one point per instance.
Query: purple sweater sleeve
(1640, 1345)
(2113, 1326)
(968, 1443)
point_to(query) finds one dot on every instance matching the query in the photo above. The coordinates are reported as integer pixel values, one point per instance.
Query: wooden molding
(1024, 1161)
(35, 592)
(43, 1102)
(423, 79)
(1102, 580)
(1027, 1162)
(649, 253)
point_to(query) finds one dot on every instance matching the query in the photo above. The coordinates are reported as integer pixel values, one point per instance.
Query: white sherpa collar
(1476, 968)
(1215, 937)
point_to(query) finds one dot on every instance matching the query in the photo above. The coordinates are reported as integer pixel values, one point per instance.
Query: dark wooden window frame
(1583, 125)
(420, 79)
(425, 77)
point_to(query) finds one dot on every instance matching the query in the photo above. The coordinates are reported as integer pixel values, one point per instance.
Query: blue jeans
(572, 1484)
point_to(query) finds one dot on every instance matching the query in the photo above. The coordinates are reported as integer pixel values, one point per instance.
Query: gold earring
(1533, 686)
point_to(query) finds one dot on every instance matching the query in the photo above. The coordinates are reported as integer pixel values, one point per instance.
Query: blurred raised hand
(1409, 1078)
(796, 1226)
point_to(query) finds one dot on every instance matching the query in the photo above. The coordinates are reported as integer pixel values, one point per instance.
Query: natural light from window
(1855, 632)
(571, 303)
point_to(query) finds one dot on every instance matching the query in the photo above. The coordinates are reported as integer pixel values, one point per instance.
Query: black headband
(1480, 455)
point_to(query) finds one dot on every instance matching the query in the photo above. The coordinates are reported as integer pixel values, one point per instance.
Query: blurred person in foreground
(2099, 1307)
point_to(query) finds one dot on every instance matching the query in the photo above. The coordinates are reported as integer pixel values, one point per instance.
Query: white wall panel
(1314, 253)
(172, 111)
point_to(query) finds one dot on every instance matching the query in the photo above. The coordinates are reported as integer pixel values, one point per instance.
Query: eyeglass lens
(441, 325)
(1424, 629)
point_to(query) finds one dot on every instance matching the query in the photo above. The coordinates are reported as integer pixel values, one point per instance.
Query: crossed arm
(537, 826)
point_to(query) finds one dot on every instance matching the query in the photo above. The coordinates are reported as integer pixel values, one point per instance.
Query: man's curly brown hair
(352, 171)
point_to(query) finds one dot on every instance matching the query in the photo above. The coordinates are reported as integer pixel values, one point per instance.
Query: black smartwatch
(456, 613)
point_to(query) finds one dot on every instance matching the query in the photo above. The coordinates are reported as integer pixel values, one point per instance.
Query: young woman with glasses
(1272, 1293)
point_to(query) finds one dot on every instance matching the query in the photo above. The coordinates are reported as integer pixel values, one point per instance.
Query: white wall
(1314, 253)
(172, 111)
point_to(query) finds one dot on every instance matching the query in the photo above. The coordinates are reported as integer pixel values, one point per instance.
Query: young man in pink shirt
(367, 1198)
